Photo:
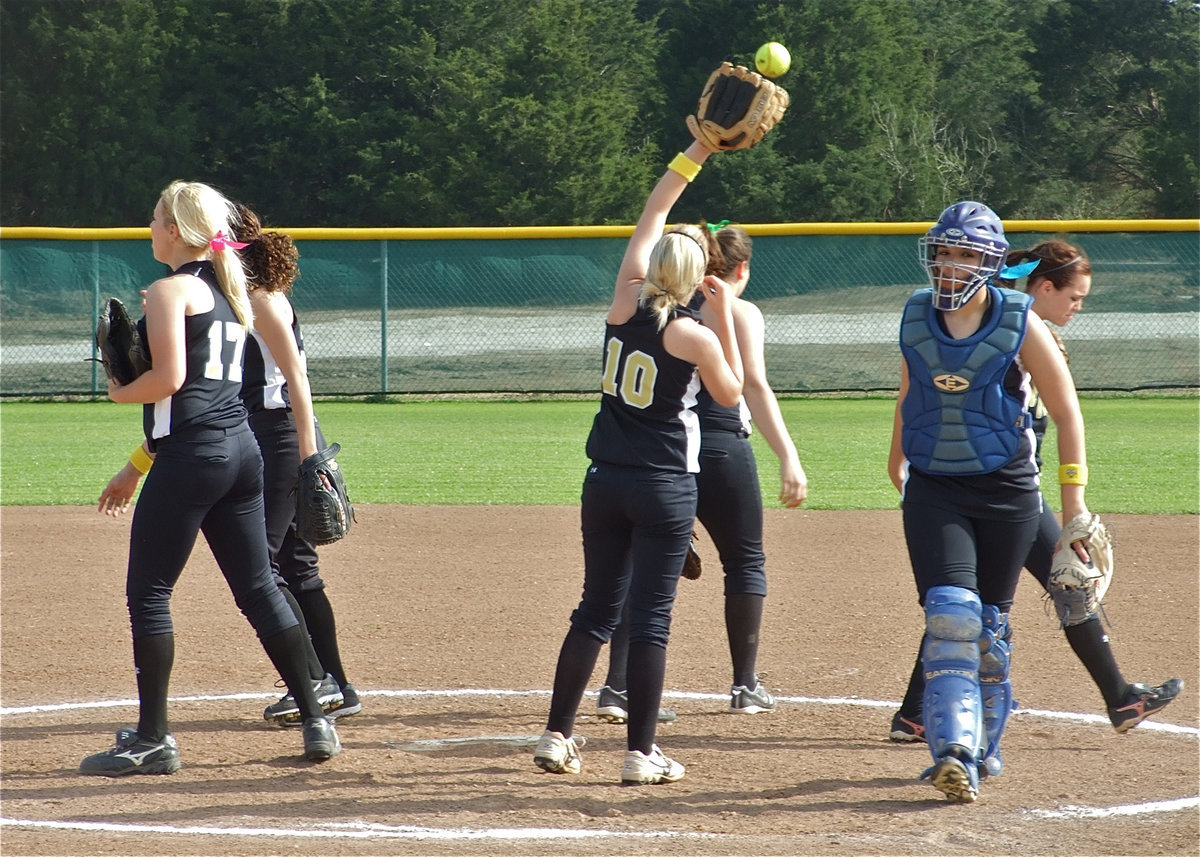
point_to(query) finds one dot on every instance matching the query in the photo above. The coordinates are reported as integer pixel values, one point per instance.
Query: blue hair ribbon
(1018, 271)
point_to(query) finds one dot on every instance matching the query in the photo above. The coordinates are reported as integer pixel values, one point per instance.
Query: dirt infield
(450, 621)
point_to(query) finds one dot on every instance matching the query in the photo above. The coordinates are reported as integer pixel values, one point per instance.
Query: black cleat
(134, 755)
(320, 739)
(1142, 701)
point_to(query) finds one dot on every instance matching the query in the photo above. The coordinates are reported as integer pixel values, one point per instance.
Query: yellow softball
(772, 59)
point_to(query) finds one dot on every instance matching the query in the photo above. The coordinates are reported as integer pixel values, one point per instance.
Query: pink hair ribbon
(222, 241)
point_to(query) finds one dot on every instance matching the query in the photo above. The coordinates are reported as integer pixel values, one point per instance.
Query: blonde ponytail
(202, 213)
(676, 267)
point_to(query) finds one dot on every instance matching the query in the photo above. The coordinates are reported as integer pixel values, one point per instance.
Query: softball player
(962, 457)
(207, 476)
(275, 391)
(730, 500)
(639, 494)
(1059, 278)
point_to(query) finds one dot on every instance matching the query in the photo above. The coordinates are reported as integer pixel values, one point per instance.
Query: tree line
(547, 112)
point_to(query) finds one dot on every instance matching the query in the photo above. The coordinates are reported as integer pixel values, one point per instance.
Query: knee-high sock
(318, 613)
(618, 653)
(286, 651)
(647, 668)
(576, 660)
(315, 671)
(1093, 650)
(743, 623)
(153, 658)
(910, 707)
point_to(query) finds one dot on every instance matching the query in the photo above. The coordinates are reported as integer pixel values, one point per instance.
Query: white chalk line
(359, 830)
(1115, 811)
(1145, 725)
(365, 830)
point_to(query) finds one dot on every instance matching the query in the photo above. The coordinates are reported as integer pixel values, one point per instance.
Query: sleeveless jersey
(214, 342)
(264, 386)
(645, 417)
(715, 416)
(966, 410)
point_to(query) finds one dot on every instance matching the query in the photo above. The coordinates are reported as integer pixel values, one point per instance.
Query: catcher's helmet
(965, 224)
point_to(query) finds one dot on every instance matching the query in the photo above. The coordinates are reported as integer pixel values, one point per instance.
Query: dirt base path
(450, 621)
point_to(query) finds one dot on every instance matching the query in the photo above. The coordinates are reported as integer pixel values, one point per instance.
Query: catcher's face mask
(956, 274)
(963, 250)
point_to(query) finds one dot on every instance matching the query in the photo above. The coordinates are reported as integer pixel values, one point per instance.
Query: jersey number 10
(638, 371)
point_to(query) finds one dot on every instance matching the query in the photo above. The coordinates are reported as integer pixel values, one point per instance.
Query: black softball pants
(949, 548)
(210, 481)
(648, 516)
(730, 508)
(292, 558)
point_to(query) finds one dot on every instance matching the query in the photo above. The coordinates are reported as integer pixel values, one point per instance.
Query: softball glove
(323, 510)
(122, 353)
(737, 108)
(1076, 587)
(691, 563)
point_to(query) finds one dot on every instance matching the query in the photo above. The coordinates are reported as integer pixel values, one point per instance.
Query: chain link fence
(483, 311)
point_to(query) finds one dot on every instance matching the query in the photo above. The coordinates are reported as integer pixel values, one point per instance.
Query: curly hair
(270, 260)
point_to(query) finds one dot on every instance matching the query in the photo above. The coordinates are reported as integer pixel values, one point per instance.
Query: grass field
(1143, 452)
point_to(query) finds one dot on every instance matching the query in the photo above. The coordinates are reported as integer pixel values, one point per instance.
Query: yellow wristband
(1072, 474)
(141, 460)
(685, 166)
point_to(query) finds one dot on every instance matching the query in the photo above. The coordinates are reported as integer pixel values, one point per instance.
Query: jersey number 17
(215, 367)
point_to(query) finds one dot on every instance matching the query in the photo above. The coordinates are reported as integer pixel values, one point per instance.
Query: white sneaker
(641, 769)
(557, 755)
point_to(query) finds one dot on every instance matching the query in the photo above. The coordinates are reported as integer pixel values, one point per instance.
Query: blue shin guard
(995, 645)
(953, 708)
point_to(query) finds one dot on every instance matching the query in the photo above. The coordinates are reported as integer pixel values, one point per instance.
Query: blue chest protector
(959, 418)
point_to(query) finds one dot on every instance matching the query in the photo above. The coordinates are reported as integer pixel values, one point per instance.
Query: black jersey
(645, 417)
(717, 417)
(264, 386)
(215, 345)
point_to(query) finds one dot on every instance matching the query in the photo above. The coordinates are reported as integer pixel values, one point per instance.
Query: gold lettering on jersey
(637, 380)
(631, 378)
(948, 383)
(612, 357)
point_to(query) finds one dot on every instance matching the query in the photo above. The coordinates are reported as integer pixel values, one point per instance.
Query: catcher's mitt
(122, 353)
(691, 563)
(1076, 587)
(323, 510)
(737, 108)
